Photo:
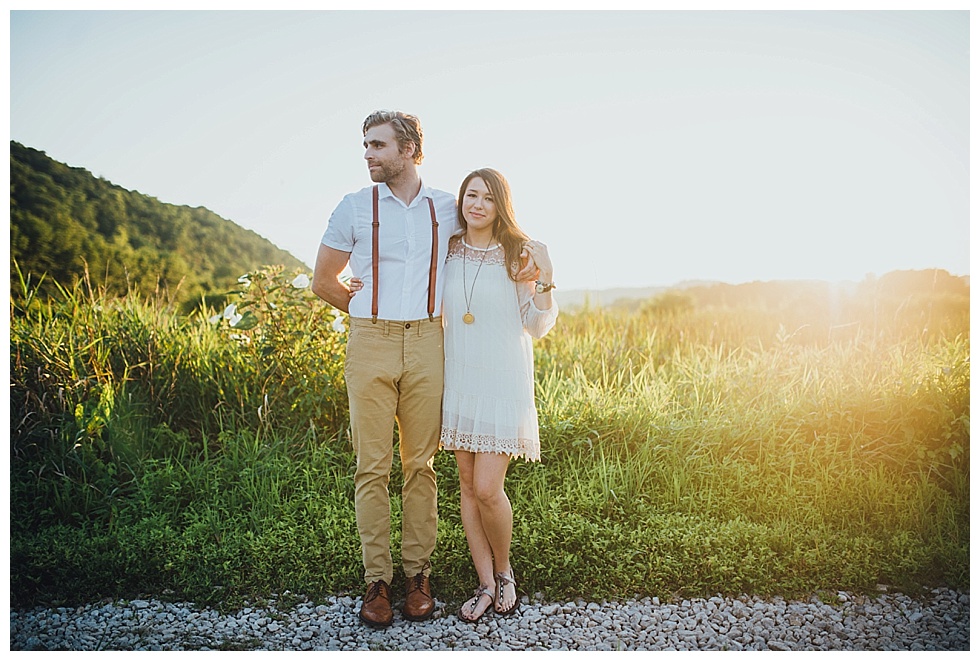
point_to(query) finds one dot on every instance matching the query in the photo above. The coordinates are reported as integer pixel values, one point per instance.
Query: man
(394, 363)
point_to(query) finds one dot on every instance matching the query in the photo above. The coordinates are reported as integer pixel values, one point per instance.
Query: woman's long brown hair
(505, 228)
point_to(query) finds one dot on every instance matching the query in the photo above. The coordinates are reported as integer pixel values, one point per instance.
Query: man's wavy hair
(408, 129)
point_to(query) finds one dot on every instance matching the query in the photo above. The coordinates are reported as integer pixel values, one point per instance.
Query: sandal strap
(502, 580)
(505, 578)
(483, 590)
(479, 593)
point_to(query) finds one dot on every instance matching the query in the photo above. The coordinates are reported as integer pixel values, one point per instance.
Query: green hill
(64, 221)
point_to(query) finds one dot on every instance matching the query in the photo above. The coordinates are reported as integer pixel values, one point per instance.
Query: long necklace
(468, 317)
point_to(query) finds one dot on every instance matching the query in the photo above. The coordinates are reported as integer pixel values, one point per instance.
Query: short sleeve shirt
(404, 249)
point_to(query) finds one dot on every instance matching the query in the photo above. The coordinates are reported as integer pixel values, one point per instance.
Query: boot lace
(417, 582)
(374, 591)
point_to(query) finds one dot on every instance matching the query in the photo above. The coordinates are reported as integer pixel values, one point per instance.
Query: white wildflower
(245, 339)
(302, 281)
(234, 319)
(215, 319)
(245, 280)
(229, 311)
(338, 325)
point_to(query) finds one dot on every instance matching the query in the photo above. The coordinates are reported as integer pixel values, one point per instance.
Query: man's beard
(386, 172)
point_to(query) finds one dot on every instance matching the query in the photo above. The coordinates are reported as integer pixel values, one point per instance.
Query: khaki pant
(394, 371)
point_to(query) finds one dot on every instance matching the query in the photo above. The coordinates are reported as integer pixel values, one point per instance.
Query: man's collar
(424, 192)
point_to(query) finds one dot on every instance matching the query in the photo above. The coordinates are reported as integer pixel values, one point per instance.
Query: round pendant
(467, 318)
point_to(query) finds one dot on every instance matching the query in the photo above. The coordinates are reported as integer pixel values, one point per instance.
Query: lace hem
(452, 439)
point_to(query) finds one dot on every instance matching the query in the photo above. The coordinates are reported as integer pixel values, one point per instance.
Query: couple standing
(435, 271)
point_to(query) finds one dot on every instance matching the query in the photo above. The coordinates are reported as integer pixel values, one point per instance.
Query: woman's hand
(538, 252)
(529, 270)
(355, 285)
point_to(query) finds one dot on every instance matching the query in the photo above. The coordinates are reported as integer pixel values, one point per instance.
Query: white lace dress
(488, 398)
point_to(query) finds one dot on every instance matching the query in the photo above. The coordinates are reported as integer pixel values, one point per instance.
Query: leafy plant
(687, 450)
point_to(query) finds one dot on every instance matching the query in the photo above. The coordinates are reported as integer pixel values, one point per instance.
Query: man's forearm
(330, 263)
(333, 292)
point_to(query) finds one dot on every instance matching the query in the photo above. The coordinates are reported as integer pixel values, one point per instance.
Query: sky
(645, 148)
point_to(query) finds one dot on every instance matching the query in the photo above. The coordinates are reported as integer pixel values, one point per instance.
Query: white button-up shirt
(404, 249)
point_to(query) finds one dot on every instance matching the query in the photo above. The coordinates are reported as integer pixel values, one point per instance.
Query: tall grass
(686, 451)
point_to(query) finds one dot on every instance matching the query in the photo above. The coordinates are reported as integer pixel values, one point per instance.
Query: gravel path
(938, 621)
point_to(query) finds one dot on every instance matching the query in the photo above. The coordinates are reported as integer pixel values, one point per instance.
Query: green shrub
(687, 450)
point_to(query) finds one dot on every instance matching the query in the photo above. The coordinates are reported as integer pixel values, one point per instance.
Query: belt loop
(387, 327)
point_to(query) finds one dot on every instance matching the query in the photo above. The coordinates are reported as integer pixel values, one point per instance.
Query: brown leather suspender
(432, 258)
(375, 226)
(374, 256)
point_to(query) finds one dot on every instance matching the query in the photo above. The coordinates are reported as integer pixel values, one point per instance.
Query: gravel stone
(890, 621)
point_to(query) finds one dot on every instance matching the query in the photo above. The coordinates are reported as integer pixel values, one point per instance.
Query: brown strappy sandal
(502, 579)
(473, 602)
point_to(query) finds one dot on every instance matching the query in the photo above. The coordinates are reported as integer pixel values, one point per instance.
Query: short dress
(488, 396)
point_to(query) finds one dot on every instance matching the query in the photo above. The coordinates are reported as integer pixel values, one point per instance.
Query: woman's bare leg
(469, 510)
(495, 515)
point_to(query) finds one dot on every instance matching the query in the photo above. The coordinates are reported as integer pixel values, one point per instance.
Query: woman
(488, 413)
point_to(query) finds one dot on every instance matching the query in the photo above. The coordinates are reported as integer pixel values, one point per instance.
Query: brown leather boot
(419, 604)
(376, 609)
